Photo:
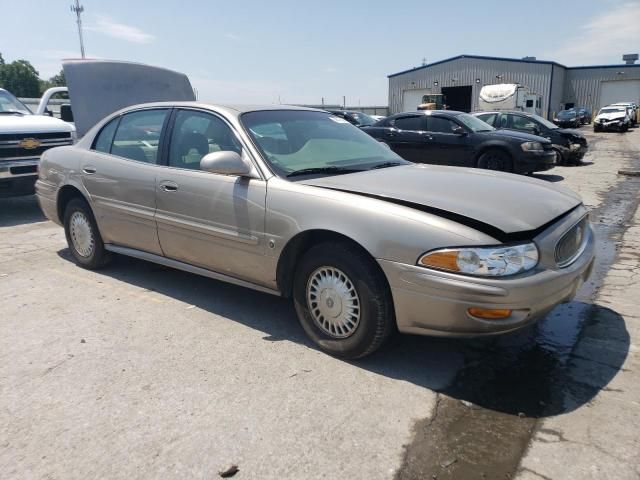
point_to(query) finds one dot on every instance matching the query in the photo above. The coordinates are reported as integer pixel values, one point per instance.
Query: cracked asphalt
(139, 371)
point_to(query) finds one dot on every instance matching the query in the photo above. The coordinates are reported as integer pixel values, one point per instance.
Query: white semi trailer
(509, 96)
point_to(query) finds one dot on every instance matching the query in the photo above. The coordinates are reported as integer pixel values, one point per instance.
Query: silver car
(299, 203)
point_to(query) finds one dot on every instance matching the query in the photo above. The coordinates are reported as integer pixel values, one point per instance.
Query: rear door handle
(89, 170)
(168, 186)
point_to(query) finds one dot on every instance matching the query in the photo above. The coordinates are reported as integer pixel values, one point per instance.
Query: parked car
(377, 118)
(23, 138)
(358, 119)
(568, 118)
(612, 118)
(299, 203)
(570, 145)
(363, 241)
(632, 111)
(448, 137)
(584, 114)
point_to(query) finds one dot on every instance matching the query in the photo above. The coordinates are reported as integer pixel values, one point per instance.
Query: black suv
(570, 145)
(445, 137)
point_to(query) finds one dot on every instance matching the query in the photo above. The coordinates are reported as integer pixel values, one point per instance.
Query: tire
(495, 159)
(560, 160)
(83, 236)
(341, 274)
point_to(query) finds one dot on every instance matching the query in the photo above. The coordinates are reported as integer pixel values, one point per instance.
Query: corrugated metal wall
(557, 91)
(582, 85)
(465, 71)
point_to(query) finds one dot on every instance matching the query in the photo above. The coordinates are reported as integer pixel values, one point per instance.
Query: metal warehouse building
(461, 78)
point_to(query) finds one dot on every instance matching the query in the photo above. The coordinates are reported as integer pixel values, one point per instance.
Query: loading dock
(458, 98)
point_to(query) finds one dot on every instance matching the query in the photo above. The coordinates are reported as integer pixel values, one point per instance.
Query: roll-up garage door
(619, 91)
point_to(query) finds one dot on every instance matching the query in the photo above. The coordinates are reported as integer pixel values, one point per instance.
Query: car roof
(451, 113)
(512, 112)
(233, 109)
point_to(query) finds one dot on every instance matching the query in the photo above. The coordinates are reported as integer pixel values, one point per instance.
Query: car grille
(572, 243)
(11, 144)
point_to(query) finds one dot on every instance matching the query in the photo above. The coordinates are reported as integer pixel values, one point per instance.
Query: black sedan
(568, 118)
(358, 119)
(570, 145)
(585, 115)
(446, 137)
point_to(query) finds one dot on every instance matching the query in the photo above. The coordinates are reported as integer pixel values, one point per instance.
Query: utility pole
(78, 9)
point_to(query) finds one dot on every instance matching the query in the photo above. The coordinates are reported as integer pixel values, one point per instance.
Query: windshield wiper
(310, 171)
(386, 165)
(12, 112)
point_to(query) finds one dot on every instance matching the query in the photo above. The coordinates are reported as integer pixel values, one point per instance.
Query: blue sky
(298, 52)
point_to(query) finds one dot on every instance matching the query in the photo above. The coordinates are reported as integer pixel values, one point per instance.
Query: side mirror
(459, 131)
(65, 112)
(226, 162)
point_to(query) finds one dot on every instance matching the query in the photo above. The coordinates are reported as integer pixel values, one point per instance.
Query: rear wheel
(83, 236)
(496, 160)
(343, 300)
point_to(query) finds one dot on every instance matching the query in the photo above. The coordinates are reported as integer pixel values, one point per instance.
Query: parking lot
(140, 371)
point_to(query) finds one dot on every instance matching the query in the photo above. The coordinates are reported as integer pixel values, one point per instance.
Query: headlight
(74, 136)
(498, 261)
(532, 146)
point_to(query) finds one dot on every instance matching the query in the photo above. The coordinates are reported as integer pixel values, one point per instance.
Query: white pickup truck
(23, 137)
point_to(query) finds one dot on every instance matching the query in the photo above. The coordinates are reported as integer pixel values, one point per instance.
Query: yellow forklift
(433, 101)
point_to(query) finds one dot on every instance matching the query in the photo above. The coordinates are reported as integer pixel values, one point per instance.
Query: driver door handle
(168, 186)
(89, 170)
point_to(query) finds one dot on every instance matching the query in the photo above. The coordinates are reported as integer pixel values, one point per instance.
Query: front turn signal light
(490, 313)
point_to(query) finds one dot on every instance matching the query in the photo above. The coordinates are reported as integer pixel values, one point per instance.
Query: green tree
(55, 81)
(20, 78)
(1, 60)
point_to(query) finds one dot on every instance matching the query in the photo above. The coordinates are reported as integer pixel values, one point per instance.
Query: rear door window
(415, 122)
(104, 139)
(138, 135)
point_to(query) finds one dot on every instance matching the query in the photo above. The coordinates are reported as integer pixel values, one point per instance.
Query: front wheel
(83, 236)
(343, 300)
(559, 157)
(495, 160)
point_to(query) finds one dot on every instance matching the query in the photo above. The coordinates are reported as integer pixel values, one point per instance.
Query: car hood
(522, 136)
(32, 124)
(98, 88)
(611, 116)
(569, 132)
(504, 202)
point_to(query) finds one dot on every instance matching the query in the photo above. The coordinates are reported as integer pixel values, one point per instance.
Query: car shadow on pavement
(548, 177)
(538, 371)
(20, 211)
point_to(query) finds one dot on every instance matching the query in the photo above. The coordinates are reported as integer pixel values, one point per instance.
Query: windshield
(544, 121)
(612, 110)
(474, 123)
(10, 104)
(293, 140)
(567, 114)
